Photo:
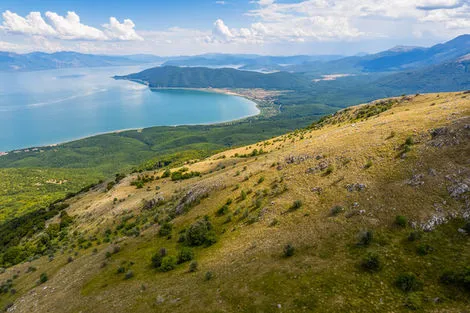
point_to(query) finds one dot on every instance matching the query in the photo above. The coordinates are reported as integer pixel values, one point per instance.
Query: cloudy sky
(184, 27)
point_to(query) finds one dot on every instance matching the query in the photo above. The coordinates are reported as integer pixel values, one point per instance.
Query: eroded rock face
(195, 194)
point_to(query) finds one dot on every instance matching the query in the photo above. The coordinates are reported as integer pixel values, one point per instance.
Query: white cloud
(121, 31)
(68, 27)
(32, 24)
(221, 32)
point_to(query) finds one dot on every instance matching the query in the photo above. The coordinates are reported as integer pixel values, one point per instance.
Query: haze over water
(47, 107)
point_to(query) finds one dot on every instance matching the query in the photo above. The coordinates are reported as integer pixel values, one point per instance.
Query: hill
(362, 211)
(449, 76)
(43, 61)
(201, 77)
(393, 60)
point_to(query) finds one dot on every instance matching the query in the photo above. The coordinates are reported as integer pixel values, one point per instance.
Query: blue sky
(233, 26)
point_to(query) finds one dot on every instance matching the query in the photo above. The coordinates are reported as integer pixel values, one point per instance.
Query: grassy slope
(250, 273)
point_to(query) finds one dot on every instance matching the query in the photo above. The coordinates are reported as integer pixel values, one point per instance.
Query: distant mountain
(249, 61)
(448, 76)
(42, 61)
(399, 58)
(201, 77)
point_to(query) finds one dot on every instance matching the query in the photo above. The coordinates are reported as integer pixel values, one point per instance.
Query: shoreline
(210, 90)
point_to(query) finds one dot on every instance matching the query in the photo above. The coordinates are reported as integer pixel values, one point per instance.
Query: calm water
(46, 107)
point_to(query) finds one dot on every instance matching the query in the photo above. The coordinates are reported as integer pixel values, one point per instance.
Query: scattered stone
(432, 172)
(434, 221)
(438, 132)
(355, 187)
(416, 180)
(160, 300)
(297, 159)
(457, 190)
(317, 190)
(462, 231)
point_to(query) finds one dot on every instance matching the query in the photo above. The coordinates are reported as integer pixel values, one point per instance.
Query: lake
(47, 107)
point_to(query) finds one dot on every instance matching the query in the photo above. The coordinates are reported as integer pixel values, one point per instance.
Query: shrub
(371, 262)
(413, 301)
(365, 238)
(329, 169)
(166, 173)
(409, 141)
(260, 180)
(157, 257)
(368, 164)
(466, 227)
(200, 233)
(401, 221)
(243, 195)
(289, 250)
(185, 255)
(193, 266)
(165, 229)
(168, 263)
(457, 278)
(223, 210)
(413, 236)
(43, 278)
(208, 275)
(129, 275)
(408, 282)
(337, 209)
(296, 205)
(423, 249)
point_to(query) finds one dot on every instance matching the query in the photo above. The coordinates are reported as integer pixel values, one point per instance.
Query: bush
(409, 141)
(157, 257)
(413, 301)
(423, 249)
(368, 164)
(200, 233)
(336, 210)
(408, 282)
(329, 169)
(168, 263)
(165, 229)
(289, 250)
(185, 255)
(371, 262)
(413, 236)
(466, 227)
(457, 278)
(223, 210)
(296, 205)
(193, 266)
(166, 173)
(43, 278)
(208, 275)
(401, 221)
(129, 275)
(365, 238)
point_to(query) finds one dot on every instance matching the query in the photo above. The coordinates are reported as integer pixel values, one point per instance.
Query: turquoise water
(47, 107)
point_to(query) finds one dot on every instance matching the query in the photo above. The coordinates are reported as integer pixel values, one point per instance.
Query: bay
(48, 107)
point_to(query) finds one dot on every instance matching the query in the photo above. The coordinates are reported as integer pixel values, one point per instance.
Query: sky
(189, 27)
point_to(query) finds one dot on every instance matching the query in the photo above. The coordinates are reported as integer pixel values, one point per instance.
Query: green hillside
(202, 77)
(366, 210)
